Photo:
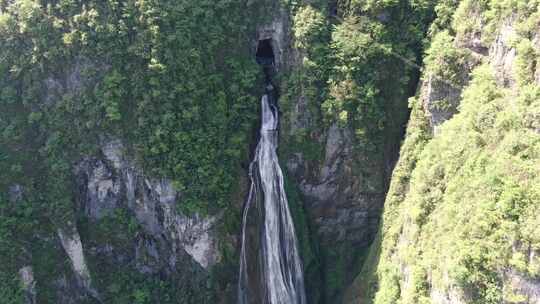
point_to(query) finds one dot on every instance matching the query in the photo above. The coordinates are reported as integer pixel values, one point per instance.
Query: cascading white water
(280, 271)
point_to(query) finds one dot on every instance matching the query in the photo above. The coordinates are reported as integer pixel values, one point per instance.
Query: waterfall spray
(280, 275)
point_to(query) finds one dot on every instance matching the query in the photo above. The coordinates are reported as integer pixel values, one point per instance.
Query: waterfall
(280, 278)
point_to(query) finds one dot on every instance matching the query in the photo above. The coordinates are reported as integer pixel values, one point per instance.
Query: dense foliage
(356, 63)
(10, 288)
(473, 199)
(146, 71)
(174, 80)
(462, 210)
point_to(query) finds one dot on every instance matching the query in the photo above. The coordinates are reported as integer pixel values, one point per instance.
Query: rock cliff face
(164, 242)
(522, 285)
(113, 182)
(158, 240)
(127, 222)
(344, 207)
(71, 242)
(342, 189)
(29, 284)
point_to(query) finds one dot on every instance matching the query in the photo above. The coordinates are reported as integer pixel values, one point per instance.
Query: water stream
(280, 279)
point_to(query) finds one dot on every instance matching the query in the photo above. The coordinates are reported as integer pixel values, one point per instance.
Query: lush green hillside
(169, 76)
(354, 68)
(463, 208)
(173, 79)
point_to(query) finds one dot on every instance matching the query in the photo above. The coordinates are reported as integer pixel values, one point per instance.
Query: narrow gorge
(270, 152)
(280, 278)
(272, 272)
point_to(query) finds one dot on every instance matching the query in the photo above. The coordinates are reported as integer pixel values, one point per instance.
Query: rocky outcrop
(26, 274)
(440, 99)
(114, 182)
(343, 194)
(343, 207)
(277, 31)
(163, 242)
(71, 242)
(342, 188)
(75, 79)
(449, 297)
(502, 53)
(524, 288)
(111, 181)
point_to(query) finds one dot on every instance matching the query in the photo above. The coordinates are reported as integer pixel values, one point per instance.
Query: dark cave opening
(266, 59)
(265, 53)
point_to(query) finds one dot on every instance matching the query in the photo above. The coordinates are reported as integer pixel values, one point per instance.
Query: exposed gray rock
(440, 99)
(15, 193)
(277, 31)
(147, 256)
(68, 291)
(114, 152)
(71, 242)
(73, 80)
(113, 181)
(342, 204)
(502, 54)
(450, 297)
(294, 163)
(103, 191)
(337, 144)
(521, 285)
(28, 284)
(344, 208)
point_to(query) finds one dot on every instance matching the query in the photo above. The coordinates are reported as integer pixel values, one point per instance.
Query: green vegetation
(473, 196)
(352, 70)
(173, 79)
(176, 82)
(124, 282)
(10, 284)
(446, 61)
(356, 67)
(463, 206)
(144, 71)
(24, 230)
